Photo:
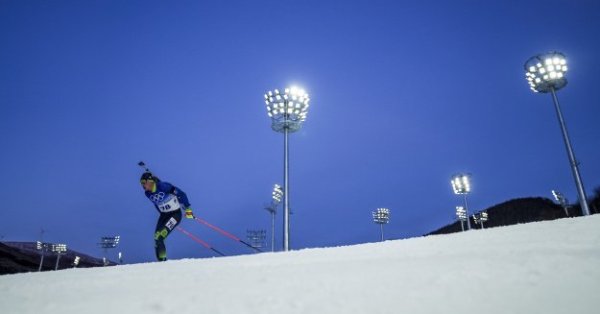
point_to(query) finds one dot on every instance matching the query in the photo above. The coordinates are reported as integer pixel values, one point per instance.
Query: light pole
(461, 214)
(287, 111)
(272, 208)
(58, 249)
(106, 243)
(381, 216)
(462, 186)
(546, 74)
(562, 201)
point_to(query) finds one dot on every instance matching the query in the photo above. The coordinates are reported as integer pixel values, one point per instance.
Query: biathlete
(169, 201)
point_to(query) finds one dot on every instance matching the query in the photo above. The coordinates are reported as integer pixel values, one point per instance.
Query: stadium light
(287, 110)
(461, 184)
(381, 216)
(546, 74)
(108, 242)
(42, 247)
(562, 201)
(480, 218)
(256, 238)
(461, 214)
(58, 249)
(276, 196)
(76, 261)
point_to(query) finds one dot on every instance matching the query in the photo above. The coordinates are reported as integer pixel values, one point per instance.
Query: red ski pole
(206, 245)
(225, 233)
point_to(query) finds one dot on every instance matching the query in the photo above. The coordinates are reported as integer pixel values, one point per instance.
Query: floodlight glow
(554, 63)
(460, 184)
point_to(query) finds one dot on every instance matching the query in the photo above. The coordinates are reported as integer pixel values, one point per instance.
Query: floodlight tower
(462, 186)
(381, 216)
(546, 74)
(287, 111)
(483, 217)
(461, 214)
(480, 218)
(108, 242)
(58, 249)
(272, 208)
(42, 247)
(561, 200)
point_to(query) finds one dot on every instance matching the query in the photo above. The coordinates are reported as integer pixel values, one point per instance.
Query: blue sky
(403, 95)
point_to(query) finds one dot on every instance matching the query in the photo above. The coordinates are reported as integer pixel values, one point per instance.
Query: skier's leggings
(166, 223)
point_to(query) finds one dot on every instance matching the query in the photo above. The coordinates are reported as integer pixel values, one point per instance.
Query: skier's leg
(164, 226)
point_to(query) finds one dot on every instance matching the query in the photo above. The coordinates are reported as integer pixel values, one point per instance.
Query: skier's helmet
(148, 176)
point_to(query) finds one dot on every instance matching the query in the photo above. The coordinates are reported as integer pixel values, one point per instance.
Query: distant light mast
(461, 185)
(381, 216)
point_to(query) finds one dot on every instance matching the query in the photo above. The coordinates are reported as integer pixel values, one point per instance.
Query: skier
(168, 200)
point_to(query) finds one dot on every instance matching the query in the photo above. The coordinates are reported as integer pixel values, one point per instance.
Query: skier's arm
(180, 195)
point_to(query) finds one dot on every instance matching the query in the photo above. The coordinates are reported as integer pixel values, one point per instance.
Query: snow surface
(545, 267)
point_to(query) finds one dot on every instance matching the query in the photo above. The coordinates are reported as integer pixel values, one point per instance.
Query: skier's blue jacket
(167, 197)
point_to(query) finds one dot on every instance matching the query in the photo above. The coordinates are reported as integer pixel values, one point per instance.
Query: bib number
(169, 204)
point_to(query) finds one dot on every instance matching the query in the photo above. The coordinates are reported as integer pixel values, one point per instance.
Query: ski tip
(141, 164)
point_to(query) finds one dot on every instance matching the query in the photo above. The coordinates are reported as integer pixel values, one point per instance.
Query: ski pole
(225, 233)
(206, 245)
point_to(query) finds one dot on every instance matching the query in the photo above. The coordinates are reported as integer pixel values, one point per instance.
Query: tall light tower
(287, 111)
(272, 208)
(462, 186)
(381, 216)
(58, 249)
(546, 74)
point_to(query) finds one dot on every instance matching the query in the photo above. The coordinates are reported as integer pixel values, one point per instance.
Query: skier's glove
(188, 213)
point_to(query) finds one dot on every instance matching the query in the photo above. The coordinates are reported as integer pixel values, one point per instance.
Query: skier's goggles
(144, 181)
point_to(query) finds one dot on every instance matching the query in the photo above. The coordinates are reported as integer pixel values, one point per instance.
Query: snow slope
(546, 267)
